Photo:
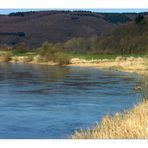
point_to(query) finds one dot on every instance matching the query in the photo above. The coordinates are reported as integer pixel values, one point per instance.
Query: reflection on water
(38, 101)
(27, 72)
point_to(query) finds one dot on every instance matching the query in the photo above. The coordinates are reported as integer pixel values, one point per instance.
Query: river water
(38, 101)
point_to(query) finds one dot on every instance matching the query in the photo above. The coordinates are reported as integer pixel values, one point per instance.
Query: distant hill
(34, 28)
(127, 39)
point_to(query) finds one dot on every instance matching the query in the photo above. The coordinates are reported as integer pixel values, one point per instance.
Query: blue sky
(7, 11)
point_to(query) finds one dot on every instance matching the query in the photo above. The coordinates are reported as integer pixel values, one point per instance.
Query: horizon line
(99, 10)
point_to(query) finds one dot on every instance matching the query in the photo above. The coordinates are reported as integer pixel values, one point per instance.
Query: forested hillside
(127, 39)
(34, 28)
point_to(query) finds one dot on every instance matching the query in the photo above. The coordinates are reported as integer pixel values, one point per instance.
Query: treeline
(110, 17)
(51, 12)
(20, 34)
(21, 13)
(80, 44)
(116, 18)
(131, 38)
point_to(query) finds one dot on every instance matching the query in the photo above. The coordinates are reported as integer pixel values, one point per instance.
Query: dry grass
(129, 64)
(131, 125)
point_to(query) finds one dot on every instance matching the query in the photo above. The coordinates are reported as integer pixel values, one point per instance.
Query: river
(38, 101)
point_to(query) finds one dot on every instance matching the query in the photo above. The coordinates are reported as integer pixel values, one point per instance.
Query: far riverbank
(126, 64)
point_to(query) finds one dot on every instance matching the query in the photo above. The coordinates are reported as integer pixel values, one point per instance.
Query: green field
(100, 56)
(87, 56)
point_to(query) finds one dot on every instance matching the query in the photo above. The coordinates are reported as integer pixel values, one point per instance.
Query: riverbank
(129, 64)
(126, 64)
(131, 125)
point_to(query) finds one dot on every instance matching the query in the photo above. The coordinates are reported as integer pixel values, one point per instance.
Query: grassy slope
(134, 124)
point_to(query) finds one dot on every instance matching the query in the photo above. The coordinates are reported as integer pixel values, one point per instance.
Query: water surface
(39, 101)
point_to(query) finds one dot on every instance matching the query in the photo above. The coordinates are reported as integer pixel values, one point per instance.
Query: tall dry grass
(131, 125)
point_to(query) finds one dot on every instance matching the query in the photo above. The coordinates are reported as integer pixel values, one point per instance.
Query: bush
(62, 58)
(5, 57)
(51, 52)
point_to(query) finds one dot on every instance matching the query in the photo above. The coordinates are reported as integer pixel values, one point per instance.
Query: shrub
(5, 57)
(47, 51)
(51, 52)
(62, 59)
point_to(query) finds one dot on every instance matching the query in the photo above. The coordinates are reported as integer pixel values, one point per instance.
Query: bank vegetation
(129, 125)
